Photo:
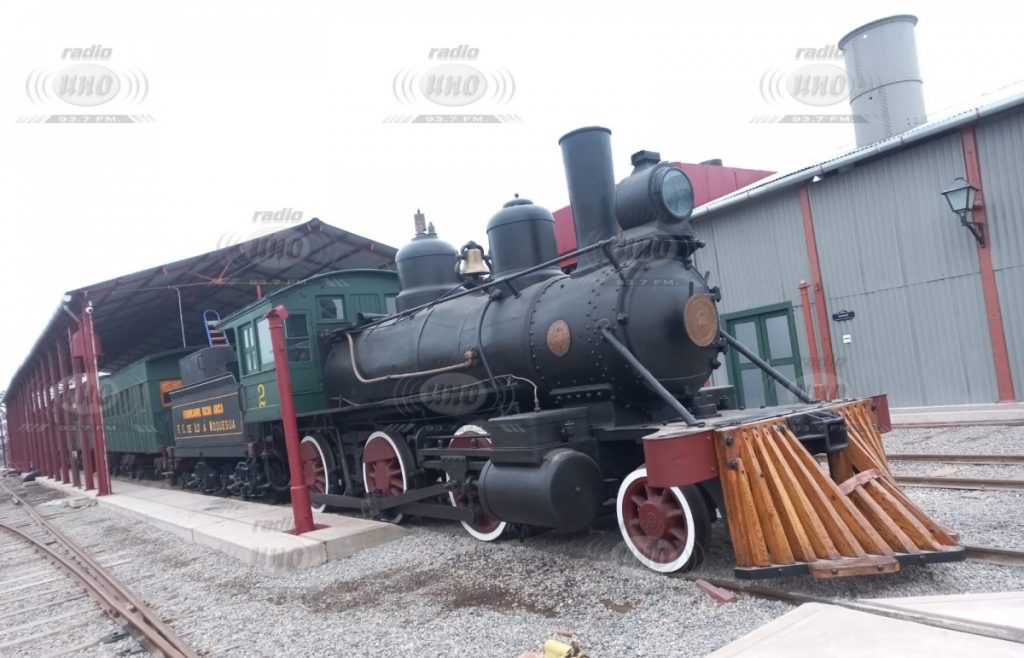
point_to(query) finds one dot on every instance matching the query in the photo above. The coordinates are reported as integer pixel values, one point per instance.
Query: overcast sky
(259, 106)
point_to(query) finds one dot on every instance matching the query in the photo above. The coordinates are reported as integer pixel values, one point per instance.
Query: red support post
(814, 264)
(48, 428)
(812, 340)
(81, 424)
(301, 509)
(55, 425)
(92, 373)
(65, 418)
(989, 289)
(45, 454)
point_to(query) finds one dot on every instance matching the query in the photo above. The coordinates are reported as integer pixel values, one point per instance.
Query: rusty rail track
(957, 459)
(982, 484)
(116, 600)
(1002, 557)
(996, 631)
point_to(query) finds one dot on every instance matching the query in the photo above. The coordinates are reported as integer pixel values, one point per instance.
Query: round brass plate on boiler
(701, 320)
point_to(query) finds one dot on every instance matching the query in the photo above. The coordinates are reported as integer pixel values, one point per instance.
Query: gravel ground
(437, 592)
(971, 440)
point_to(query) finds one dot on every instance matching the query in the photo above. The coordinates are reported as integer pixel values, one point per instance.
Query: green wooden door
(769, 332)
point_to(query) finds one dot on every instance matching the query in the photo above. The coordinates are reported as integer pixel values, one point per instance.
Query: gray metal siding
(1001, 154)
(757, 255)
(891, 251)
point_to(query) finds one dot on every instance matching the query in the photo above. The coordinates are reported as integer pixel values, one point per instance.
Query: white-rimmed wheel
(317, 466)
(387, 463)
(666, 528)
(486, 527)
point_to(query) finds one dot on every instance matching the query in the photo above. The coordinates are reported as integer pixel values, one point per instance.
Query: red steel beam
(56, 431)
(81, 425)
(812, 340)
(990, 292)
(67, 440)
(831, 383)
(93, 375)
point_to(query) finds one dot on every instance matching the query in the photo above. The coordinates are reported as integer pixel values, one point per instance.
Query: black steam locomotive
(502, 391)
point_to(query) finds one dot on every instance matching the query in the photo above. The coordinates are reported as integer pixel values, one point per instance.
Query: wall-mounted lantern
(960, 195)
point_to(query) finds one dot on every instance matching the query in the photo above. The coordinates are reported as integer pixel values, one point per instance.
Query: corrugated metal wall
(757, 255)
(1001, 152)
(892, 252)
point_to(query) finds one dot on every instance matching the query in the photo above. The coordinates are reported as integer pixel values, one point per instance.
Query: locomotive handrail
(648, 377)
(466, 363)
(487, 284)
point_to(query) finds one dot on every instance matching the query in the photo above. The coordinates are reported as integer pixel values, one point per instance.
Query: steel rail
(957, 459)
(996, 631)
(1003, 557)
(113, 596)
(981, 484)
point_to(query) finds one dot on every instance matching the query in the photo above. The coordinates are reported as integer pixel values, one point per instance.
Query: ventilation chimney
(886, 93)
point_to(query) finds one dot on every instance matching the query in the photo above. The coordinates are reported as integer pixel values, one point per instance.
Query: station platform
(254, 533)
(827, 631)
(1005, 413)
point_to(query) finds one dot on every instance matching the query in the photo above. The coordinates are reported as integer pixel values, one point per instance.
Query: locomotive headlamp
(961, 195)
(656, 191)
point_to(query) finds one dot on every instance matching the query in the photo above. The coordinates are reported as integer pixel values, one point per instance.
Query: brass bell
(473, 262)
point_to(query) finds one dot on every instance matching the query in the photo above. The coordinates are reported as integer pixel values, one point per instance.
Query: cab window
(296, 333)
(390, 304)
(266, 347)
(331, 309)
(248, 349)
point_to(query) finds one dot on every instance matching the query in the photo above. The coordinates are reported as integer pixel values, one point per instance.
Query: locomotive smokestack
(587, 154)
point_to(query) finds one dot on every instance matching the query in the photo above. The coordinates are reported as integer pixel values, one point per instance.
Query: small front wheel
(666, 528)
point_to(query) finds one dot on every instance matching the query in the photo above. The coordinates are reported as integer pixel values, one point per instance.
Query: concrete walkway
(1010, 413)
(255, 533)
(816, 630)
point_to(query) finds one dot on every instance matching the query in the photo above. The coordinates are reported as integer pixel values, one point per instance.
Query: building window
(390, 304)
(331, 309)
(297, 336)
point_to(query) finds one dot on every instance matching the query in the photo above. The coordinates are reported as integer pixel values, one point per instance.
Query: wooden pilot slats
(784, 509)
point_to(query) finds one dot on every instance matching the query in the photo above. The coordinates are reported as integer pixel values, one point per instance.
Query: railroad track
(48, 583)
(996, 631)
(938, 482)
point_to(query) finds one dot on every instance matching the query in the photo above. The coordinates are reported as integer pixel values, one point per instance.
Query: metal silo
(886, 92)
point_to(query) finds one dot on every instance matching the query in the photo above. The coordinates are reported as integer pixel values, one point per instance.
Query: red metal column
(831, 384)
(990, 292)
(93, 375)
(45, 455)
(812, 340)
(48, 427)
(56, 431)
(301, 510)
(64, 409)
(81, 424)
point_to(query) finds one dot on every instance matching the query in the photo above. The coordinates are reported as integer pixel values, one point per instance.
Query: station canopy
(161, 308)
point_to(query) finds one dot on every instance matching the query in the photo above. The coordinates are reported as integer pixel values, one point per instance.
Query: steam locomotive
(505, 392)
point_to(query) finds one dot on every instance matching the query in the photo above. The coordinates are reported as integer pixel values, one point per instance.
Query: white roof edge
(911, 136)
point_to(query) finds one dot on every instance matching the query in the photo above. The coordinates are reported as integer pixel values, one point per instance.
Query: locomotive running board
(786, 515)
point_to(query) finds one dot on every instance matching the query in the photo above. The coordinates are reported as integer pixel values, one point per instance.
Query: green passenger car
(136, 410)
